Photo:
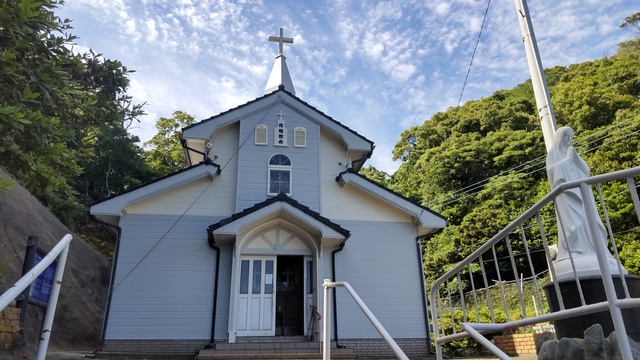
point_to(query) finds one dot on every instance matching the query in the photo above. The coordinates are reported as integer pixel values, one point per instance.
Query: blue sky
(379, 67)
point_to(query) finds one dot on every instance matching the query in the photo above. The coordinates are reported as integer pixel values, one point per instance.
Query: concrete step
(272, 350)
(273, 356)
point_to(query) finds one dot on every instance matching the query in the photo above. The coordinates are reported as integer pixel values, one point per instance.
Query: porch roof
(282, 207)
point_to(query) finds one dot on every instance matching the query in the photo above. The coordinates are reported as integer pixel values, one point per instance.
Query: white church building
(235, 247)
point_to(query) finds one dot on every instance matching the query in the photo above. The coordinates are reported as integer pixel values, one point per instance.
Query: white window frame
(258, 131)
(297, 131)
(286, 168)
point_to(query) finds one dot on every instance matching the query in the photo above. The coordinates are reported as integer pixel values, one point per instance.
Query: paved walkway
(68, 355)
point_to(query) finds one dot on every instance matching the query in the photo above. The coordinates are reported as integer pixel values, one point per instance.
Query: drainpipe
(423, 285)
(335, 301)
(212, 344)
(357, 164)
(113, 273)
(424, 291)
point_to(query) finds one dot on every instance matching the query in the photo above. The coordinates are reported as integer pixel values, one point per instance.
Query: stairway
(280, 347)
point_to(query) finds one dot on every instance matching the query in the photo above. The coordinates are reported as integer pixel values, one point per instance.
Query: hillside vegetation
(483, 164)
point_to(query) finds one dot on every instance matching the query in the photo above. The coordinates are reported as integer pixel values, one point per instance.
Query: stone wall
(364, 348)
(9, 328)
(153, 346)
(516, 344)
(378, 348)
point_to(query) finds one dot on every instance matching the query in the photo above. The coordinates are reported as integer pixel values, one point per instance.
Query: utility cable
(161, 238)
(470, 189)
(189, 208)
(474, 51)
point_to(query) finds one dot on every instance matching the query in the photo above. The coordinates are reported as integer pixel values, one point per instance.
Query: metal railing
(463, 305)
(326, 325)
(59, 252)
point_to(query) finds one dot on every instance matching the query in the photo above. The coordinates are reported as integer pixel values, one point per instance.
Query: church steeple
(280, 72)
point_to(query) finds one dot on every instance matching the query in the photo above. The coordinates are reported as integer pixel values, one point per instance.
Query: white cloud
(151, 28)
(372, 46)
(377, 66)
(441, 8)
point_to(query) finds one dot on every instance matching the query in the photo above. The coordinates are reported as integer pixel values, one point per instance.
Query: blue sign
(41, 287)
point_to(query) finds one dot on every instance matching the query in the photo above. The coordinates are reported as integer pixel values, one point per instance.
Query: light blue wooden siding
(253, 159)
(380, 261)
(164, 281)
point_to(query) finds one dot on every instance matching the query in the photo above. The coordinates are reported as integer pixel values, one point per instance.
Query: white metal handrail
(60, 252)
(466, 328)
(326, 351)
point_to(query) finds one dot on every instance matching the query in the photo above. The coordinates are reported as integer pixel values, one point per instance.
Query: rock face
(613, 349)
(547, 350)
(81, 306)
(594, 346)
(569, 349)
(594, 343)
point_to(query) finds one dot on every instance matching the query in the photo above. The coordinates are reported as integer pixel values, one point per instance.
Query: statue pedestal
(593, 291)
(586, 267)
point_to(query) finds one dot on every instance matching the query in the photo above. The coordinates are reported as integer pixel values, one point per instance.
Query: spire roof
(280, 71)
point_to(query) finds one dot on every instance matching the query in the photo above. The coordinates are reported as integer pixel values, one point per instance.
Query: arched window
(279, 175)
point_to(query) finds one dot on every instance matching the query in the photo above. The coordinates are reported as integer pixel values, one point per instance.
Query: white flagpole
(540, 88)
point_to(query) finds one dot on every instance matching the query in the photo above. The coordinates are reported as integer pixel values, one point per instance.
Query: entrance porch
(276, 266)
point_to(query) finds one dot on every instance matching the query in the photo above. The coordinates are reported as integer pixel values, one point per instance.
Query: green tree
(113, 162)
(632, 21)
(167, 154)
(35, 90)
(49, 99)
(376, 175)
(481, 165)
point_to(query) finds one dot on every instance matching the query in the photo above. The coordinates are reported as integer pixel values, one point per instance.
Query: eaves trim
(416, 210)
(294, 97)
(293, 204)
(115, 204)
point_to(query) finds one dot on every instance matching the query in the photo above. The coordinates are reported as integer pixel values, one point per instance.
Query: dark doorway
(289, 296)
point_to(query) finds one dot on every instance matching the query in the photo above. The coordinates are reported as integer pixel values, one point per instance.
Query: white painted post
(538, 80)
(374, 321)
(51, 306)
(326, 342)
(609, 288)
(60, 251)
(29, 277)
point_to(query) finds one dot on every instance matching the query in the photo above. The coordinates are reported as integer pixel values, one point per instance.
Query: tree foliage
(167, 154)
(376, 175)
(632, 21)
(51, 99)
(482, 164)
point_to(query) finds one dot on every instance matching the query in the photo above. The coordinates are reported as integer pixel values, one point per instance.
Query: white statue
(574, 239)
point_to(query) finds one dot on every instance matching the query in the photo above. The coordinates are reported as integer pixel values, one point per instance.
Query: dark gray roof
(280, 197)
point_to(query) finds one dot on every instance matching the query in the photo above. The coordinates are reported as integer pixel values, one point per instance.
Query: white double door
(257, 294)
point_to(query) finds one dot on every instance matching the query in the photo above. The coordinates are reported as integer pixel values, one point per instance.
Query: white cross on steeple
(280, 73)
(280, 114)
(280, 39)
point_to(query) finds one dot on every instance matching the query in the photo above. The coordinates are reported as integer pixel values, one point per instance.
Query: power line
(161, 238)
(190, 205)
(538, 163)
(474, 51)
